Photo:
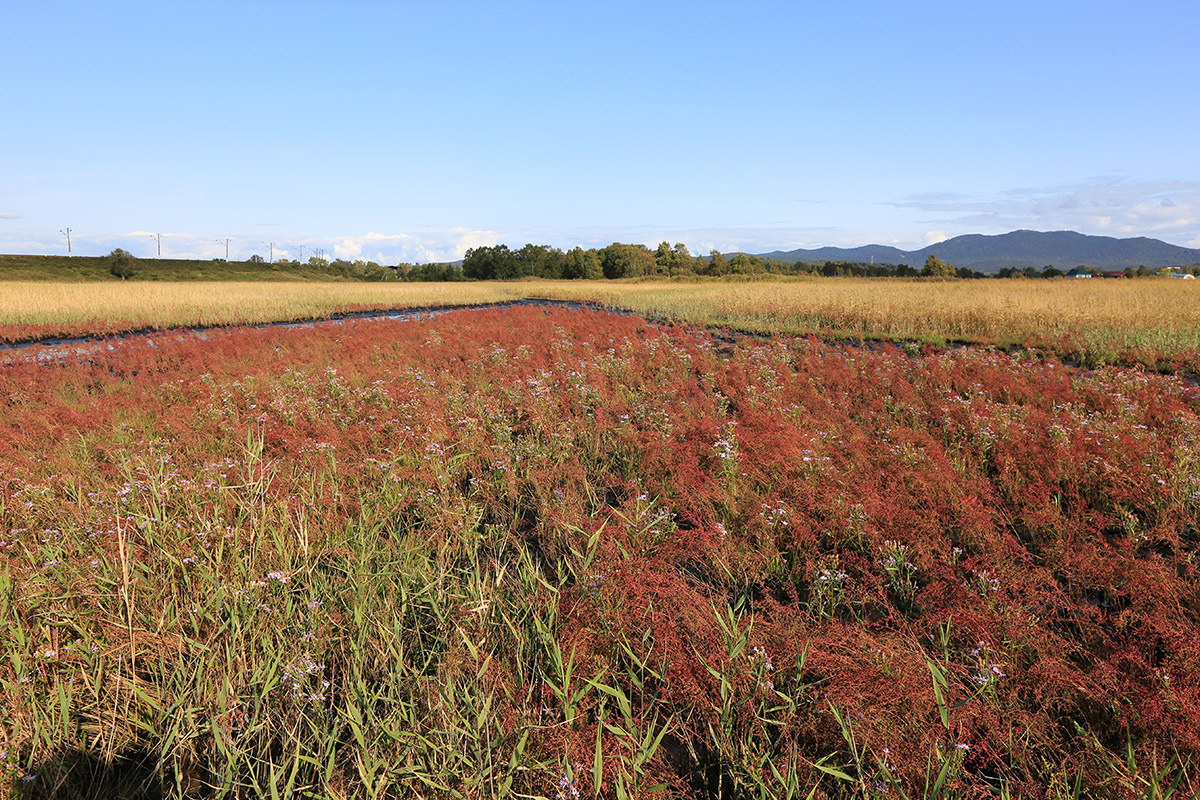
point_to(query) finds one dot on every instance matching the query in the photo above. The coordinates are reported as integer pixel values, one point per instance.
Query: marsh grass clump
(550, 553)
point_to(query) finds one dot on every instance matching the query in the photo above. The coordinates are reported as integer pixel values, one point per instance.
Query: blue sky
(411, 131)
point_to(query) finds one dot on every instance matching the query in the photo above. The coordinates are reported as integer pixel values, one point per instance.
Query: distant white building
(1080, 272)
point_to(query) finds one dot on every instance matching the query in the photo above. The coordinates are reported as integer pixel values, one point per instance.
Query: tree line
(617, 260)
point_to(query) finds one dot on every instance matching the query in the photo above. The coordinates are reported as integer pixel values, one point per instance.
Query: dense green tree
(673, 260)
(120, 263)
(664, 258)
(627, 261)
(540, 260)
(367, 271)
(430, 272)
(477, 264)
(530, 260)
(936, 268)
(683, 262)
(553, 264)
(740, 264)
(717, 265)
(582, 264)
(508, 264)
(491, 263)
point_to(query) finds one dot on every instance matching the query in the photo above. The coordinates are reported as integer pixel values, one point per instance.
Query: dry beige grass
(1098, 318)
(43, 308)
(1103, 317)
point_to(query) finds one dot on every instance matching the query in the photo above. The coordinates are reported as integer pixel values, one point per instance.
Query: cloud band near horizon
(1108, 206)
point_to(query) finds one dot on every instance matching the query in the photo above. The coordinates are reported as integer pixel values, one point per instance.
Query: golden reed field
(36, 309)
(1104, 317)
(1097, 320)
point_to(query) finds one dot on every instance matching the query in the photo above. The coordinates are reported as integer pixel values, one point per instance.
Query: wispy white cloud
(700, 239)
(9, 215)
(1110, 206)
(446, 244)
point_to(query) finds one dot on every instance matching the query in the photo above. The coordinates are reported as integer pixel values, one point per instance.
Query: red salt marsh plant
(541, 552)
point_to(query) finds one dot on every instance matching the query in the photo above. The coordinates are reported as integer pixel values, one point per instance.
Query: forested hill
(1061, 249)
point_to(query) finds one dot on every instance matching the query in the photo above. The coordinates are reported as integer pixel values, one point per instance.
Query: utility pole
(271, 245)
(67, 233)
(226, 248)
(301, 254)
(157, 237)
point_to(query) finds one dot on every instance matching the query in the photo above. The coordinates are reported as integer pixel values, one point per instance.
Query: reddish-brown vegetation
(768, 547)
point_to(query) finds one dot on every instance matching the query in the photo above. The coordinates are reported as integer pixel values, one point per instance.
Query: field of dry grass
(37, 309)
(1098, 321)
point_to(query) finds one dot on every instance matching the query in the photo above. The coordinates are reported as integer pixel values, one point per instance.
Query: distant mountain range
(1061, 249)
